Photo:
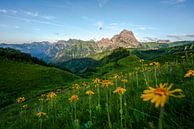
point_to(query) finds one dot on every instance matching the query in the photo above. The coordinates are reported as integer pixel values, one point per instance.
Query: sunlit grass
(113, 101)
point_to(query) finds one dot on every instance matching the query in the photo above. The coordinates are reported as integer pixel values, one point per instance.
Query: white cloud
(150, 39)
(102, 3)
(34, 14)
(173, 1)
(189, 35)
(11, 11)
(49, 17)
(113, 24)
(3, 25)
(16, 27)
(175, 36)
(3, 11)
(9, 26)
(144, 27)
(141, 28)
(14, 11)
(114, 28)
(180, 36)
(88, 19)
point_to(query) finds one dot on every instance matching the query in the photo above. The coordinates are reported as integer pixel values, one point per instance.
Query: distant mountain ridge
(62, 50)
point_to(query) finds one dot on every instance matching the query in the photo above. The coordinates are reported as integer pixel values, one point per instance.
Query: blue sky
(52, 20)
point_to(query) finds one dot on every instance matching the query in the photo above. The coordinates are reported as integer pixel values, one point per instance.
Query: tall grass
(100, 110)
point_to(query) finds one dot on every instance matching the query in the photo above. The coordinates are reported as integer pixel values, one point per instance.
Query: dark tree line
(17, 55)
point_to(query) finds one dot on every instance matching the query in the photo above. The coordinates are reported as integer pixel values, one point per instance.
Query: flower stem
(40, 123)
(90, 111)
(75, 114)
(143, 69)
(121, 110)
(107, 108)
(161, 118)
(98, 90)
(137, 78)
(156, 75)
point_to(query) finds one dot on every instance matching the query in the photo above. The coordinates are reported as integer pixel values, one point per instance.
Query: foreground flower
(96, 81)
(84, 83)
(160, 95)
(116, 76)
(120, 90)
(76, 86)
(124, 81)
(40, 114)
(74, 98)
(89, 92)
(20, 99)
(51, 95)
(141, 60)
(189, 73)
(154, 64)
(106, 83)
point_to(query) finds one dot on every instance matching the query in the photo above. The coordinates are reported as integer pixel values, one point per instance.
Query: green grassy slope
(137, 114)
(24, 79)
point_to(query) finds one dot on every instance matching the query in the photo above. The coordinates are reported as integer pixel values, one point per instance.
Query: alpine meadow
(96, 64)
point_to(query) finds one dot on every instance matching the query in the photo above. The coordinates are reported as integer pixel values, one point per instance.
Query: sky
(24, 21)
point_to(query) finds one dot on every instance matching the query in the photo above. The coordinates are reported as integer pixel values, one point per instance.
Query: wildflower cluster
(40, 114)
(89, 92)
(20, 99)
(106, 83)
(120, 90)
(154, 64)
(189, 73)
(74, 98)
(51, 95)
(76, 86)
(96, 82)
(124, 80)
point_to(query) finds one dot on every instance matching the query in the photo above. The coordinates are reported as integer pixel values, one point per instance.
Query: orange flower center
(160, 91)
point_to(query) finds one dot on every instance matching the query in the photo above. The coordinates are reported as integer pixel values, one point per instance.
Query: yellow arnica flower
(74, 98)
(145, 65)
(120, 90)
(20, 99)
(84, 83)
(141, 60)
(40, 114)
(76, 86)
(189, 73)
(160, 95)
(96, 81)
(89, 92)
(51, 95)
(106, 83)
(154, 64)
(116, 76)
(124, 81)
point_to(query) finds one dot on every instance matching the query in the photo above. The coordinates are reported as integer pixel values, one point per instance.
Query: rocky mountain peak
(126, 32)
(124, 39)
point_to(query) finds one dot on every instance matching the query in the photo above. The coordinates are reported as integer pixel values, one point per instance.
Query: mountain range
(66, 50)
(62, 50)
